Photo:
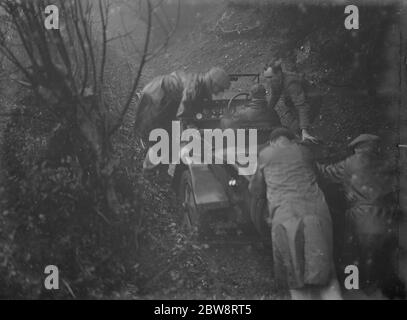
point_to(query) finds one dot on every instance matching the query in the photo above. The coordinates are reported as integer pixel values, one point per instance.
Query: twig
(69, 288)
(140, 69)
(103, 216)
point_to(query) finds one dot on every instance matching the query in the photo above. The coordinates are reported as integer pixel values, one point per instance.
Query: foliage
(64, 202)
(52, 216)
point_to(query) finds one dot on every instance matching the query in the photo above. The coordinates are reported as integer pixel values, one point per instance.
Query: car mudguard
(208, 191)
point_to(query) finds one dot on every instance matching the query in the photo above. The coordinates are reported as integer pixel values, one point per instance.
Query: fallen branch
(68, 287)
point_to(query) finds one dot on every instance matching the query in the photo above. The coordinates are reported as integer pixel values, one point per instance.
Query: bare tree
(67, 69)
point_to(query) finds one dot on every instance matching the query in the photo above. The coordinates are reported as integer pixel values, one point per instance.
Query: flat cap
(365, 137)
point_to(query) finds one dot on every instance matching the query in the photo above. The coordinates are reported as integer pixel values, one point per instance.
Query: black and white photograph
(230, 152)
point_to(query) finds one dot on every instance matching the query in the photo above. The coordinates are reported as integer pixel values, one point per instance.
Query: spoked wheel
(192, 217)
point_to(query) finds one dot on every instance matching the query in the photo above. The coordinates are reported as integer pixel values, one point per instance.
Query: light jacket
(286, 174)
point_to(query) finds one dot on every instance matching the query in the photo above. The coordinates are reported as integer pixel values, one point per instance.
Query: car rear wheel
(259, 213)
(192, 216)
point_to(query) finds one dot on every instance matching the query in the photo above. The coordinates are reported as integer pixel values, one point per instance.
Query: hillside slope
(159, 260)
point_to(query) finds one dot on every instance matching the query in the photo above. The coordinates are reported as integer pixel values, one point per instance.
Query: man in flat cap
(301, 226)
(290, 87)
(369, 218)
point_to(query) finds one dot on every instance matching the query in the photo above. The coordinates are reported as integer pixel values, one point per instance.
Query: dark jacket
(254, 114)
(176, 96)
(159, 103)
(367, 184)
(292, 91)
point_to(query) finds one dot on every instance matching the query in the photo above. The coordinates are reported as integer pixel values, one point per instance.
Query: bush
(53, 215)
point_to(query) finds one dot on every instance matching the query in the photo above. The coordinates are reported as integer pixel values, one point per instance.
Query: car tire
(258, 214)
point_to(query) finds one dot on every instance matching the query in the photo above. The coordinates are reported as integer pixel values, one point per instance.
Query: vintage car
(203, 189)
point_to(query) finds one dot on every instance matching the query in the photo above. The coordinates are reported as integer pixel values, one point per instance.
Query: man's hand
(307, 136)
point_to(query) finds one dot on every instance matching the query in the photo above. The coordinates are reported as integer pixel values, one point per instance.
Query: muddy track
(225, 264)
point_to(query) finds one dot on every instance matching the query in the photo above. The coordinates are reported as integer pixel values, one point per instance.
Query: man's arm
(275, 96)
(333, 172)
(298, 98)
(185, 109)
(193, 95)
